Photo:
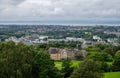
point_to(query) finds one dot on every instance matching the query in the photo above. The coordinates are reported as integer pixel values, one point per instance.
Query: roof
(53, 50)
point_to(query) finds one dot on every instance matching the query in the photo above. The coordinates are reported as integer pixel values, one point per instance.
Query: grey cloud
(11, 2)
(6, 4)
(59, 9)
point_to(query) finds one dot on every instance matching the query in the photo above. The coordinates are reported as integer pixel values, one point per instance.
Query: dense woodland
(28, 61)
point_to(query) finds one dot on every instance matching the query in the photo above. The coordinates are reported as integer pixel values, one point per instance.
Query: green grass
(112, 75)
(58, 65)
(109, 63)
(74, 64)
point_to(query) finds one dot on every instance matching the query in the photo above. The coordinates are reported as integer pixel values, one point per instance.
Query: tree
(67, 69)
(110, 50)
(42, 46)
(99, 56)
(23, 61)
(116, 62)
(88, 69)
(106, 57)
(44, 67)
(79, 57)
(105, 67)
(15, 60)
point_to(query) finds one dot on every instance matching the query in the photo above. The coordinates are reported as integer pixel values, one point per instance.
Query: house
(58, 54)
(55, 53)
(68, 53)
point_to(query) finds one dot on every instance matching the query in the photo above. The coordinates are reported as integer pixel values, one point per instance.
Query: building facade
(58, 54)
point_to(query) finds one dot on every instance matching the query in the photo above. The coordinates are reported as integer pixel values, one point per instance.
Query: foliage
(15, 60)
(99, 56)
(62, 44)
(67, 68)
(88, 69)
(59, 44)
(79, 57)
(22, 61)
(105, 67)
(116, 62)
(103, 48)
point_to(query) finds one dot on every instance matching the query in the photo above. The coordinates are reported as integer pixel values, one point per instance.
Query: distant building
(58, 54)
(43, 37)
(68, 53)
(55, 53)
(74, 39)
(12, 39)
(97, 38)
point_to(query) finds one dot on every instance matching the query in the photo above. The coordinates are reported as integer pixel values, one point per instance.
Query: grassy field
(74, 64)
(112, 75)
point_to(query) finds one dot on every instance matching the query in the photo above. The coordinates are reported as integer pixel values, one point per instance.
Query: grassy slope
(112, 75)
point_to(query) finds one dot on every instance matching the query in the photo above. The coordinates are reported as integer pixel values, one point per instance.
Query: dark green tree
(67, 68)
(105, 67)
(79, 57)
(116, 62)
(43, 66)
(88, 69)
(15, 60)
(23, 61)
(99, 56)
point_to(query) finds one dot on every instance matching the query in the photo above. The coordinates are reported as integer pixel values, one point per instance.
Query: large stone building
(55, 53)
(58, 54)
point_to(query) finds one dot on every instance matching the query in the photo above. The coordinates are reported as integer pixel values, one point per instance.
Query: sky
(61, 11)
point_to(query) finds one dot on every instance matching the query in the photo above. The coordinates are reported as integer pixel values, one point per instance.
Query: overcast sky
(61, 11)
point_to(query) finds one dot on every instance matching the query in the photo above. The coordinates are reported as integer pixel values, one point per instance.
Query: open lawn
(74, 64)
(112, 75)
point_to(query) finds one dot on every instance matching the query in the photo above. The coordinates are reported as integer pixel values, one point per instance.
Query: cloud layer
(59, 9)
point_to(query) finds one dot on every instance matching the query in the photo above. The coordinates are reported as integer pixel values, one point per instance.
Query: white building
(43, 37)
